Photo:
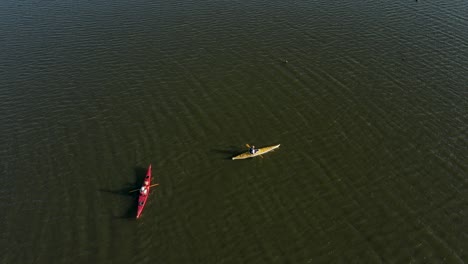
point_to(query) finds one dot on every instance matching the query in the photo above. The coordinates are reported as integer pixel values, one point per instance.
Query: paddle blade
(247, 145)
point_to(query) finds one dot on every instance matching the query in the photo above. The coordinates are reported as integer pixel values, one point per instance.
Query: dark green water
(368, 100)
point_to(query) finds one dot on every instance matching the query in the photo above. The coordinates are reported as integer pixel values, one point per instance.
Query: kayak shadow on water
(131, 190)
(229, 152)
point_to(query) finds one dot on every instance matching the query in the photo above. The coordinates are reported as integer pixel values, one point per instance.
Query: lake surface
(368, 99)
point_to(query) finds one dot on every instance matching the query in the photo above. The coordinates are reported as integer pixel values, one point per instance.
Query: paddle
(156, 184)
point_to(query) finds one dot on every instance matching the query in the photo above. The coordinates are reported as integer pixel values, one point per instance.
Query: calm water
(368, 99)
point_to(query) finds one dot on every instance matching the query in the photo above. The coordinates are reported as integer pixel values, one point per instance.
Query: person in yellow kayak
(252, 149)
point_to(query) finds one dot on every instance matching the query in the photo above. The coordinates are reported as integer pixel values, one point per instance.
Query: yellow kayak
(259, 152)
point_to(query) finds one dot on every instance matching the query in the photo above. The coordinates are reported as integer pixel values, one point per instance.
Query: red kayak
(144, 192)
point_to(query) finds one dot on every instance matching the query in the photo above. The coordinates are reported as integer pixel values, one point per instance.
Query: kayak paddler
(252, 149)
(146, 183)
(144, 190)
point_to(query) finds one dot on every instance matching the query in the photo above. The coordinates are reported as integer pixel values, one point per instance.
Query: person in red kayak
(144, 190)
(146, 180)
(252, 149)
